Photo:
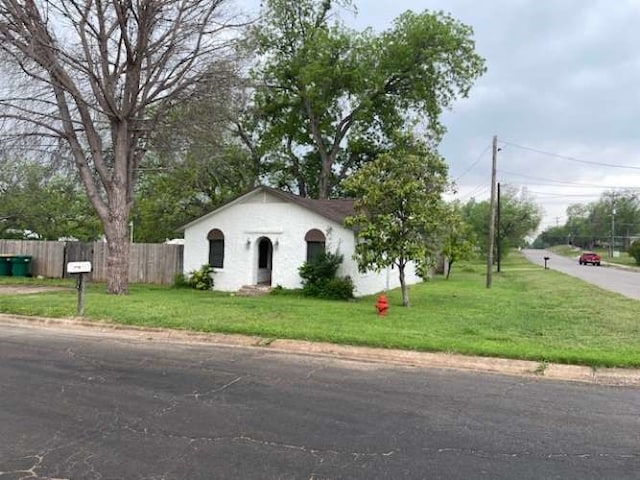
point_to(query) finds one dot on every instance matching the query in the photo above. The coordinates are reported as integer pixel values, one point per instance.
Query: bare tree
(98, 75)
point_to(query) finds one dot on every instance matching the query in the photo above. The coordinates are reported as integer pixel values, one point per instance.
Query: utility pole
(492, 212)
(498, 250)
(613, 231)
(613, 223)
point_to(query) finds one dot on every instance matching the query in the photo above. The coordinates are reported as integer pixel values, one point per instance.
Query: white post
(81, 290)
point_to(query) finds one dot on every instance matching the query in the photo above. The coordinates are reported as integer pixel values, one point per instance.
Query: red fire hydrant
(382, 305)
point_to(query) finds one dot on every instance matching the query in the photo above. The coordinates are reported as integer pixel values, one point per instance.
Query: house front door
(265, 261)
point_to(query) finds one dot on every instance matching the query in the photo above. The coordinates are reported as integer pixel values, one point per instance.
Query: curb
(407, 358)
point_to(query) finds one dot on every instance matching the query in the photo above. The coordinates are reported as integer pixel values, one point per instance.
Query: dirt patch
(28, 289)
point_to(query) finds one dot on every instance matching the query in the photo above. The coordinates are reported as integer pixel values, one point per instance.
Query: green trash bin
(5, 265)
(20, 265)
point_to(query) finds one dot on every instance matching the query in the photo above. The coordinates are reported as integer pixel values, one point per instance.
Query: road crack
(197, 394)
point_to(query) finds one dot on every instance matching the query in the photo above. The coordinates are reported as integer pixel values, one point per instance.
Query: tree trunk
(328, 160)
(118, 250)
(117, 225)
(325, 173)
(403, 286)
(449, 264)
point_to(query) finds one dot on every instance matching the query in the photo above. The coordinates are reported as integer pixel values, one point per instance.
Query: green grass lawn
(530, 313)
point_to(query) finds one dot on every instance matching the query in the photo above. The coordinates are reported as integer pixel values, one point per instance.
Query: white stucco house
(265, 235)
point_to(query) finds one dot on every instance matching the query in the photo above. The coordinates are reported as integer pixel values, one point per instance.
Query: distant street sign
(78, 267)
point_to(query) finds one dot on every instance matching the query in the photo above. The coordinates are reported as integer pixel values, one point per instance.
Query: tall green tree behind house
(172, 194)
(399, 210)
(328, 99)
(200, 157)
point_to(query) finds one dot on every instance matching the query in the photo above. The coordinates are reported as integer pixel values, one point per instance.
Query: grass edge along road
(624, 259)
(529, 313)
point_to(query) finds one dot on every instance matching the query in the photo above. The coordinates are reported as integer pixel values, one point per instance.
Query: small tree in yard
(458, 239)
(399, 208)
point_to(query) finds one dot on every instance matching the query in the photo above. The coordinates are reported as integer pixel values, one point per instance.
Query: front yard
(530, 313)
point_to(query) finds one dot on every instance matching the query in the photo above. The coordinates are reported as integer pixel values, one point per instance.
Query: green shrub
(339, 288)
(319, 278)
(321, 267)
(634, 251)
(202, 279)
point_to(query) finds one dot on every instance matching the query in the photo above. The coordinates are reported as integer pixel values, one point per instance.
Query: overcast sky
(563, 77)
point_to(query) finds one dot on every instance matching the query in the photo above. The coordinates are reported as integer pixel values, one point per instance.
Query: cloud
(562, 77)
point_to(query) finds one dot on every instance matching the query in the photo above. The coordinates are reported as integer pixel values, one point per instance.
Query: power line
(478, 190)
(565, 195)
(486, 149)
(571, 184)
(565, 157)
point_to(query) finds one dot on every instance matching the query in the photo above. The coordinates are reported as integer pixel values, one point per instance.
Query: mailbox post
(79, 268)
(546, 259)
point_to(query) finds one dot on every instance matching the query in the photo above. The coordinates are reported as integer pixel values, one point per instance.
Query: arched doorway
(265, 261)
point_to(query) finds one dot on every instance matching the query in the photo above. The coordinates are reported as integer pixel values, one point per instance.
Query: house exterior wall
(371, 282)
(285, 224)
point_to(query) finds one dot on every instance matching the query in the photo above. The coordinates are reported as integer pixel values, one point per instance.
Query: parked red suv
(589, 257)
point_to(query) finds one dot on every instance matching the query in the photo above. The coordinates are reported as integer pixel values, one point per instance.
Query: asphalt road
(85, 406)
(625, 282)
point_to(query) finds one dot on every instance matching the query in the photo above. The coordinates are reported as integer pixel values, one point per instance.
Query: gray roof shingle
(334, 209)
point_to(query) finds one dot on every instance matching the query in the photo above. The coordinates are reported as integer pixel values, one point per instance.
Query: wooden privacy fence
(148, 263)
(48, 256)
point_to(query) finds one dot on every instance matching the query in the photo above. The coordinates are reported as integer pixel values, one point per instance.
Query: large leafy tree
(328, 98)
(590, 224)
(619, 210)
(399, 210)
(200, 156)
(39, 201)
(520, 217)
(170, 195)
(553, 236)
(578, 226)
(96, 77)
